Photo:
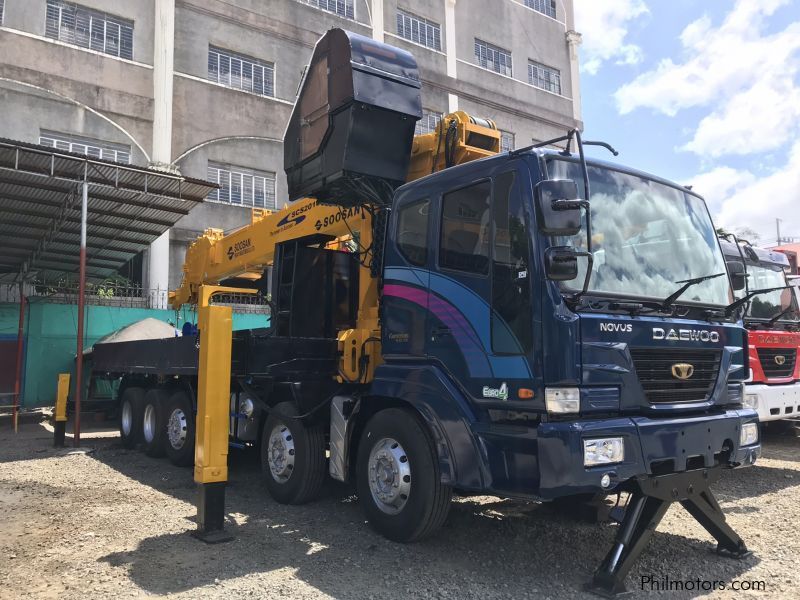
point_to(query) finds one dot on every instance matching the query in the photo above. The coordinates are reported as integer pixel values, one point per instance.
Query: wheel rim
(177, 428)
(149, 423)
(127, 418)
(280, 453)
(389, 476)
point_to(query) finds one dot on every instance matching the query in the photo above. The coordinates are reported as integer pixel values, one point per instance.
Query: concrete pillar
(450, 49)
(574, 42)
(163, 70)
(377, 20)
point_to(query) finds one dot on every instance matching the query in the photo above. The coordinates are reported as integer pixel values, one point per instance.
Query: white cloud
(745, 76)
(720, 184)
(739, 199)
(604, 27)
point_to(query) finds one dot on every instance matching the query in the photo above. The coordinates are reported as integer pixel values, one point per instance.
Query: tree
(749, 234)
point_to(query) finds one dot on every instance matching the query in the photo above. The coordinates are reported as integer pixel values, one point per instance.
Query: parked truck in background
(485, 328)
(773, 331)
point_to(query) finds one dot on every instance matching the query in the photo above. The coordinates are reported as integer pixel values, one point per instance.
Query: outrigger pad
(649, 501)
(211, 514)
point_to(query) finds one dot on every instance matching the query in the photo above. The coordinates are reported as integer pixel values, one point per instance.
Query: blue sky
(704, 93)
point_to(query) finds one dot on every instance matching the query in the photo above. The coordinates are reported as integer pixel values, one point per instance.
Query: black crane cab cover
(350, 135)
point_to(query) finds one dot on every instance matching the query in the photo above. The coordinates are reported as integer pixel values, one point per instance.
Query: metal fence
(120, 294)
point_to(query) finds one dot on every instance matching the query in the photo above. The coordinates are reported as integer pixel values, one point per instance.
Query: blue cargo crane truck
(528, 324)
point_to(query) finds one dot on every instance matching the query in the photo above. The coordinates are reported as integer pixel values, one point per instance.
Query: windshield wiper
(734, 306)
(687, 283)
(777, 317)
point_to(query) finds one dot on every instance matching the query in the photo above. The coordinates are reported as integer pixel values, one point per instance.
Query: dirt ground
(113, 523)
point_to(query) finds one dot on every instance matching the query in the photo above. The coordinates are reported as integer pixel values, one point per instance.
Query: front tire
(399, 483)
(131, 406)
(292, 456)
(154, 427)
(180, 426)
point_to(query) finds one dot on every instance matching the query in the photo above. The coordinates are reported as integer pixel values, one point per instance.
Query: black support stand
(59, 432)
(649, 502)
(211, 513)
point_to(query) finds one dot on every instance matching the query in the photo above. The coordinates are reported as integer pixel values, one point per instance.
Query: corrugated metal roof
(40, 204)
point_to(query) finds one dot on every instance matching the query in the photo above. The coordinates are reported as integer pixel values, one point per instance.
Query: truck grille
(770, 357)
(654, 368)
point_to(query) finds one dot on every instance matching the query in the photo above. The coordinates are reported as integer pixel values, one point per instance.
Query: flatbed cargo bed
(254, 353)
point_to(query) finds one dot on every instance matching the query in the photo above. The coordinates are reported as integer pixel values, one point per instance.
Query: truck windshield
(647, 237)
(767, 306)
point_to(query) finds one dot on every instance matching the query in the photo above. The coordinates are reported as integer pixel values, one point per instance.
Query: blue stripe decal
(474, 308)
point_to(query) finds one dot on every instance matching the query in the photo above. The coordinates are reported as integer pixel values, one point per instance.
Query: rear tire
(292, 456)
(154, 426)
(131, 405)
(398, 478)
(180, 426)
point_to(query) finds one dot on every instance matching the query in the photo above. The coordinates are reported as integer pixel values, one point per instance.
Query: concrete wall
(60, 86)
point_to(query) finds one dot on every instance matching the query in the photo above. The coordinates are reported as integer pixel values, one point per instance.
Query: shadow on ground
(484, 545)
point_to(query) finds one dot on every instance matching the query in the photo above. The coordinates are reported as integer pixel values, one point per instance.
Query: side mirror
(561, 263)
(558, 207)
(738, 274)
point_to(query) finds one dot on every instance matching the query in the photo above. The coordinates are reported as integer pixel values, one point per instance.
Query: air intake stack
(351, 131)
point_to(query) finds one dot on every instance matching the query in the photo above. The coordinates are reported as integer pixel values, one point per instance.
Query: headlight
(749, 434)
(603, 451)
(751, 400)
(562, 400)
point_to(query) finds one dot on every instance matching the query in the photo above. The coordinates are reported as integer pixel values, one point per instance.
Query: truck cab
(541, 342)
(773, 331)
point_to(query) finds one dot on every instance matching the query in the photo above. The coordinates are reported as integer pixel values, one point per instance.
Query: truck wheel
(130, 416)
(154, 427)
(292, 456)
(398, 479)
(180, 424)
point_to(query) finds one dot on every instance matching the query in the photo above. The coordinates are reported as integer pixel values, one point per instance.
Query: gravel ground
(113, 523)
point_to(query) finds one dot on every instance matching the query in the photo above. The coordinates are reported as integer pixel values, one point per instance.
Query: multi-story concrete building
(207, 86)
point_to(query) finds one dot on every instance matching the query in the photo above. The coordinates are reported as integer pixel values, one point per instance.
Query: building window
(419, 30)
(343, 8)
(428, 123)
(242, 187)
(544, 77)
(493, 58)
(546, 7)
(87, 28)
(506, 141)
(241, 72)
(2, 2)
(87, 146)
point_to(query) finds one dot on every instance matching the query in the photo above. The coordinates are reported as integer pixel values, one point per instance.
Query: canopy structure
(65, 214)
(40, 210)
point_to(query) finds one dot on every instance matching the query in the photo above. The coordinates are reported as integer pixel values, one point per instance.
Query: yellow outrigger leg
(60, 416)
(215, 325)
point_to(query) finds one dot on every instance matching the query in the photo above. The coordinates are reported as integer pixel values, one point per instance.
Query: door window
(412, 232)
(464, 238)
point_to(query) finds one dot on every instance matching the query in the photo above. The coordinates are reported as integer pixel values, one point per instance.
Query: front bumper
(773, 402)
(652, 447)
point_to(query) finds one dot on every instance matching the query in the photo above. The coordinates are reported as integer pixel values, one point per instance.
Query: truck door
(480, 313)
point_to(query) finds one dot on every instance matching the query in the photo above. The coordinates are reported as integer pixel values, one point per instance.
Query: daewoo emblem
(682, 370)
(780, 359)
